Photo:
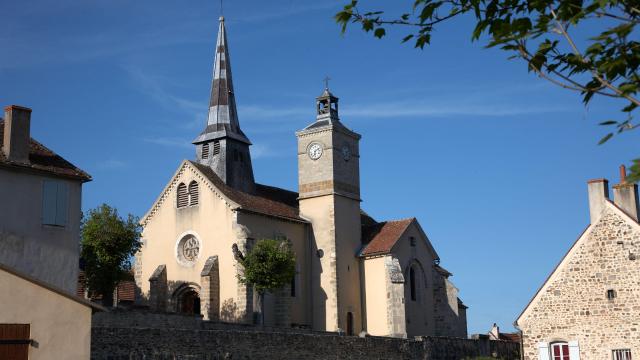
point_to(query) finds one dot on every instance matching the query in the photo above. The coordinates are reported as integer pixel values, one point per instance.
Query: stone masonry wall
(147, 343)
(136, 335)
(575, 307)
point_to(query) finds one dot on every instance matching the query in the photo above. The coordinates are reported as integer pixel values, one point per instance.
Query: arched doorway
(349, 323)
(188, 301)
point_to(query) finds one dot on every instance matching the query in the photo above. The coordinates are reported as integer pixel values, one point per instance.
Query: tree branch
(595, 74)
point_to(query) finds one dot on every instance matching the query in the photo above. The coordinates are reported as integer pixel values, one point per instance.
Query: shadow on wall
(448, 321)
(229, 311)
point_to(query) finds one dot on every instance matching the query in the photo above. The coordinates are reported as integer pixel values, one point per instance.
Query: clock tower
(329, 188)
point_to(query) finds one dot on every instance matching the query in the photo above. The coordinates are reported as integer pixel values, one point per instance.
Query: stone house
(353, 273)
(40, 192)
(589, 307)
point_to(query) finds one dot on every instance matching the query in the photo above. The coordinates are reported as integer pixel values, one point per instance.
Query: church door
(190, 303)
(349, 323)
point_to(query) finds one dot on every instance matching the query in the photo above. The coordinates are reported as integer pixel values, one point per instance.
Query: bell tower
(329, 188)
(222, 145)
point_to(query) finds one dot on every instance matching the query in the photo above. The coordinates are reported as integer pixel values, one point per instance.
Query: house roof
(50, 287)
(266, 200)
(43, 159)
(380, 238)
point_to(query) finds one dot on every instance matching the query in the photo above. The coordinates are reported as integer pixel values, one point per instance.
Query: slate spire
(222, 145)
(222, 120)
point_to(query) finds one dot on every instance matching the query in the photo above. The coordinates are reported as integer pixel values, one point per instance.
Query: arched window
(182, 198)
(412, 283)
(559, 351)
(193, 193)
(349, 323)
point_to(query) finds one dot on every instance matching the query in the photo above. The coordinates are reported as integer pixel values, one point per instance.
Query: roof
(43, 159)
(222, 120)
(514, 337)
(50, 287)
(381, 237)
(266, 200)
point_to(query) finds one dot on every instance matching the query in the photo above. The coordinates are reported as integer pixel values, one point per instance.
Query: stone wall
(145, 335)
(574, 307)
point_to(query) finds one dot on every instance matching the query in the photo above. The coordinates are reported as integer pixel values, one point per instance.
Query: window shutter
(62, 204)
(574, 350)
(193, 193)
(205, 150)
(49, 194)
(182, 196)
(543, 351)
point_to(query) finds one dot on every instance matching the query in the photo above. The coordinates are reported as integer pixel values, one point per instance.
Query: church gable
(602, 259)
(382, 238)
(178, 192)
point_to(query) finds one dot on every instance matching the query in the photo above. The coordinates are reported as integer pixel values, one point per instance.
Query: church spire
(222, 120)
(222, 145)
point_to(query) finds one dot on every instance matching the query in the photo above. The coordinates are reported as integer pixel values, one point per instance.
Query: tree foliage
(270, 265)
(541, 32)
(107, 245)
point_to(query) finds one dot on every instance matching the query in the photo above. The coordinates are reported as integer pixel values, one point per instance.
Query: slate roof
(43, 159)
(267, 200)
(379, 238)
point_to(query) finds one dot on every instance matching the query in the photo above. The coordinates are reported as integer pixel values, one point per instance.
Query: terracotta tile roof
(267, 200)
(43, 159)
(515, 337)
(381, 237)
(126, 290)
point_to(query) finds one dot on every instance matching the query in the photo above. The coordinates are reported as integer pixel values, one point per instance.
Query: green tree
(540, 32)
(107, 245)
(269, 266)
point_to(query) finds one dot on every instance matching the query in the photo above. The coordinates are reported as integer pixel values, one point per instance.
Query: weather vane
(326, 82)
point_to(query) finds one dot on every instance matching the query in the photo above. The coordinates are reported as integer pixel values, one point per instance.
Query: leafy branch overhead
(540, 32)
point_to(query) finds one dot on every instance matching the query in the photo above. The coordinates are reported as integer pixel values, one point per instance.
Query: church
(353, 273)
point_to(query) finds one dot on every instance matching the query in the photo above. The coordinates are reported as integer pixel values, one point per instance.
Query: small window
(412, 241)
(622, 354)
(182, 196)
(193, 193)
(205, 150)
(412, 283)
(216, 148)
(560, 351)
(611, 294)
(55, 203)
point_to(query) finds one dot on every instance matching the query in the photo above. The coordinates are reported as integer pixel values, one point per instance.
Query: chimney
(598, 196)
(17, 120)
(625, 195)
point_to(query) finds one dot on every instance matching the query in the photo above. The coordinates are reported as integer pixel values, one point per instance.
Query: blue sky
(492, 160)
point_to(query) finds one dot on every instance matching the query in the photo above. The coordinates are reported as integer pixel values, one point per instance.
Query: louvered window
(183, 196)
(193, 193)
(216, 148)
(205, 150)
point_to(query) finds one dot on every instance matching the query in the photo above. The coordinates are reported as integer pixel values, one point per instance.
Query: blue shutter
(62, 204)
(543, 351)
(574, 350)
(49, 194)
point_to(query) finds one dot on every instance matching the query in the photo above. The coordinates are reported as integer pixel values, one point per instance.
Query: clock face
(346, 152)
(315, 151)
